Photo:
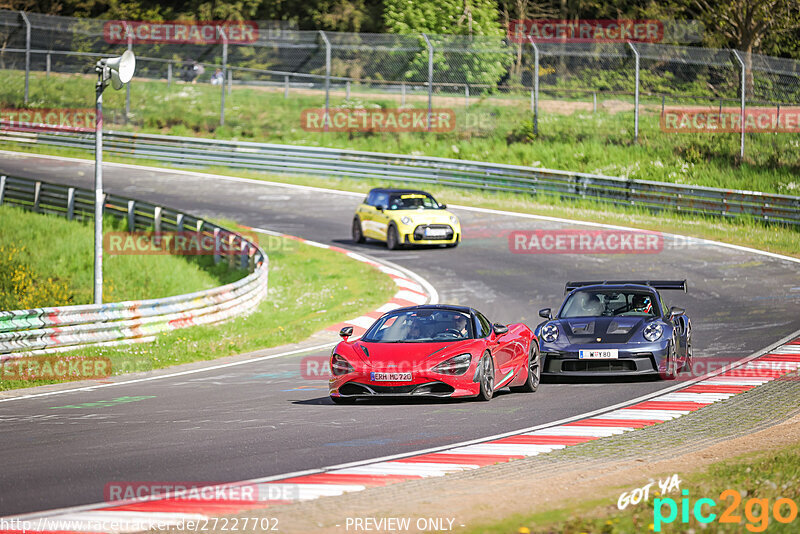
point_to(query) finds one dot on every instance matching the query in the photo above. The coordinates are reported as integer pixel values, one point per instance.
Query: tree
(744, 25)
(479, 57)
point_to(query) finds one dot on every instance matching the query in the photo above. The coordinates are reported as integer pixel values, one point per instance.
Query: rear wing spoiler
(679, 285)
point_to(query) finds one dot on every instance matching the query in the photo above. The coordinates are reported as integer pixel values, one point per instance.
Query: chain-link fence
(642, 81)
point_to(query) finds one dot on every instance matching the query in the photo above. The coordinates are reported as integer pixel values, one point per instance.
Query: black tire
(688, 365)
(534, 372)
(486, 378)
(670, 371)
(392, 239)
(343, 400)
(357, 233)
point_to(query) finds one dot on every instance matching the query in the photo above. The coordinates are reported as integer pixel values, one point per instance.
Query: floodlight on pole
(119, 71)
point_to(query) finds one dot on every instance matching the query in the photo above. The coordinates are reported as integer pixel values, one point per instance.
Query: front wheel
(487, 378)
(392, 240)
(689, 364)
(534, 372)
(358, 234)
(670, 370)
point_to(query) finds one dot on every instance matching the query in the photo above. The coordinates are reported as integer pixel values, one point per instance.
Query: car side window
(371, 197)
(485, 325)
(381, 199)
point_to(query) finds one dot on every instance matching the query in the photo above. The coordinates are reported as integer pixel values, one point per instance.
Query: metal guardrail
(289, 159)
(45, 330)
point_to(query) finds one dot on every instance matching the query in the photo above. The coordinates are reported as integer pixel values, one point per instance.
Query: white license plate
(435, 232)
(390, 377)
(603, 354)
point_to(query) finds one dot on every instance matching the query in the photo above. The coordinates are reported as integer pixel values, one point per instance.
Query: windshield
(609, 303)
(420, 326)
(413, 201)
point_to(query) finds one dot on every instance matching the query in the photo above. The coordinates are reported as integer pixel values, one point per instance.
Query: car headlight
(550, 332)
(454, 219)
(340, 366)
(405, 219)
(457, 365)
(653, 331)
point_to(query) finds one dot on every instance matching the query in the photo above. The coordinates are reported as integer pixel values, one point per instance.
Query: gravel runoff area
(763, 418)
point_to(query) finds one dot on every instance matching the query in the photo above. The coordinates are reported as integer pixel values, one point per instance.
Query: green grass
(768, 475)
(48, 261)
(309, 289)
(500, 131)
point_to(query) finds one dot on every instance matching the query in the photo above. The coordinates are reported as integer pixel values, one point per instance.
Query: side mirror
(675, 311)
(443, 206)
(380, 208)
(346, 332)
(546, 313)
(499, 329)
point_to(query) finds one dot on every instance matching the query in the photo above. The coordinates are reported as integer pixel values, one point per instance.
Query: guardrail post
(157, 225)
(224, 71)
(743, 95)
(285, 87)
(37, 191)
(217, 245)
(403, 94)
(327, 78)
(70, 203)
(636, 95)
(245, 255)
(131, 215)
(27, 52)
(466, 95)
(231, 240)
(2, 189)
(169, 74)
(47, 68)
(594, 102)
(179, 222)
(347, 90)
(430, 78)
(230, 81)
(535, 88)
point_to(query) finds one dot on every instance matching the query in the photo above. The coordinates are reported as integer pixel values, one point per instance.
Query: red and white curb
(678, 400)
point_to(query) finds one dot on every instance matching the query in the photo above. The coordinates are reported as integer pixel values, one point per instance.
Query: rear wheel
(343, 400)
(392, 240)
(487, 378)
(689, 363)
(358, 234)
(534, 372)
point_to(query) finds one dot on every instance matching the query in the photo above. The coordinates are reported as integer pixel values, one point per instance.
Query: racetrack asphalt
(263, 419)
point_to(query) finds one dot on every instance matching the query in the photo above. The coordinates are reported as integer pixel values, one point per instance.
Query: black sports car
(616, 327)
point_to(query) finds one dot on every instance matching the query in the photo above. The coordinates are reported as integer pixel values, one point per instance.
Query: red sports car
(434, 351)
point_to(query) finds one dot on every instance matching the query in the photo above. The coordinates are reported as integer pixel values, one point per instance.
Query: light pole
(118, 71)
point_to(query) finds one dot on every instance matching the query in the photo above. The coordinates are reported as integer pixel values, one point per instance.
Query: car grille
(419, 232)
(430, 388)
(599, 366)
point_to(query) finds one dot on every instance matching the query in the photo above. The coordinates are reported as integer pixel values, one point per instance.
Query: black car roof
(448, 307)
(396, 190)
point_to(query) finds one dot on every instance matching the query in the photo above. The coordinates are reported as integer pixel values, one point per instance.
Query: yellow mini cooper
(405, 217)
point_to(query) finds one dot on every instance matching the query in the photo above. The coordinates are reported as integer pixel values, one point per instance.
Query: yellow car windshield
(412, 201)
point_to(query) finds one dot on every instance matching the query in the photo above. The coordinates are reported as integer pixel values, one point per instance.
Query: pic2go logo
(756, 511)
